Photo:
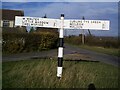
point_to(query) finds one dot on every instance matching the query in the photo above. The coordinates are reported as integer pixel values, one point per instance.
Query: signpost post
(61, 24)
(60, 49)
(83, 39)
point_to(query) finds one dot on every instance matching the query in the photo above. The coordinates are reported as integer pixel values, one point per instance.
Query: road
(70, 53)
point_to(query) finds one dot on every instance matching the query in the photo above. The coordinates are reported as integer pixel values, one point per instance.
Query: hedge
(106, 42)
(28, 42)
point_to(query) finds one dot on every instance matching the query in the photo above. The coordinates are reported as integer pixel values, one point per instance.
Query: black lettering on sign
(33, 22)
(103, 25)
(76, 24)
(24, 21)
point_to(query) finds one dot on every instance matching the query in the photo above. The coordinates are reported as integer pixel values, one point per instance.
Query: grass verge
(109, 51)
(42, 74)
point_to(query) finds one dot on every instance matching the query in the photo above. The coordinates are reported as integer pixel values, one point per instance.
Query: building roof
(10, 14)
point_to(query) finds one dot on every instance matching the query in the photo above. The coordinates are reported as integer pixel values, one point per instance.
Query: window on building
(6, 23)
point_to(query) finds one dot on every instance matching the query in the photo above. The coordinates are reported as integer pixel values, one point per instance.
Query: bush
(13, 43)
(48, 40)
(74, 40)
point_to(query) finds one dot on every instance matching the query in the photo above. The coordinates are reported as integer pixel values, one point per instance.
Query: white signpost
(62, 24)
(56, 23)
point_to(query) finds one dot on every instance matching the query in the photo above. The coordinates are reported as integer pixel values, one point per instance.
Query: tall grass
(42, 74)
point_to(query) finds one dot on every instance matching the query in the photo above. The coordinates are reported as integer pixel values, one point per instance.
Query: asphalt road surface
(70, 53)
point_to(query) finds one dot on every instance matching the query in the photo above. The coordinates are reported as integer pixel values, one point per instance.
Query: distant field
(110, 51)
(42, 74)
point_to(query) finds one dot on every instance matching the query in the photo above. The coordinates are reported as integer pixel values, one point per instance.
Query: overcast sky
(72, 10)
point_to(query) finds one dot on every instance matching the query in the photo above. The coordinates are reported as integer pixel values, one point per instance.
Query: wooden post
(83, 39)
